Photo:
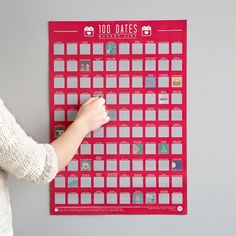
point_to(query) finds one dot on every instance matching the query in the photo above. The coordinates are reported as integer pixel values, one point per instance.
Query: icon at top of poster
(146, 30)
(88, 31)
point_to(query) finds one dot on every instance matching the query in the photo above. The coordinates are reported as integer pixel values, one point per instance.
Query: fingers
(91, 99)
(105, 108)
(106, 114)
(106, 119)
(100, 101)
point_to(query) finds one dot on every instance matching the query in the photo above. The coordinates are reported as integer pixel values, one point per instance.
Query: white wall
(211, 111)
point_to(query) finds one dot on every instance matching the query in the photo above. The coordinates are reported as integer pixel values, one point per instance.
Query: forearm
(22, 156)
(67, 144)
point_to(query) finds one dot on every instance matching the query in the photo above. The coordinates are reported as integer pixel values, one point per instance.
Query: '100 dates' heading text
(117, 29)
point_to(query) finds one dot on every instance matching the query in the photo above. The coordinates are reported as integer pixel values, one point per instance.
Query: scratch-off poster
(135, 164)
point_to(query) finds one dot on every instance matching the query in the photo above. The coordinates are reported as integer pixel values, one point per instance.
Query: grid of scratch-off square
(135, 164)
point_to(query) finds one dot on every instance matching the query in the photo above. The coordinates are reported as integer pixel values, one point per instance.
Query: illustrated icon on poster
(88, 31)
(146, 30)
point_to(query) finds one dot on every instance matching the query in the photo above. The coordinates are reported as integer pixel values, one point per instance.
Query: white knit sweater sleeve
(20, 155)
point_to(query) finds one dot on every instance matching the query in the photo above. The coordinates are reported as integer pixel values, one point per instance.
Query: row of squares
(137, 115)
(123, 98)
(150, 131)
(123, 82)
(111, 48)
(122, 182)
(127, 148)
(124, 198)
(163, 64)
(125, 165)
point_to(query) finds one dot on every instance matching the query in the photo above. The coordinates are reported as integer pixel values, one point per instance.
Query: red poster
(135, 164)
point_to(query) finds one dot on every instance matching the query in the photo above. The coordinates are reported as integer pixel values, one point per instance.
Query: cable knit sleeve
(20, 155)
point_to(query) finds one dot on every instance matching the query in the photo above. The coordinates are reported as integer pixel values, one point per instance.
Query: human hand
(92, 114)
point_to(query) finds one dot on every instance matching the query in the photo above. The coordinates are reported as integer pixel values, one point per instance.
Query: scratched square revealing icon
(137, 148)
(111, 48)
(137, 162)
